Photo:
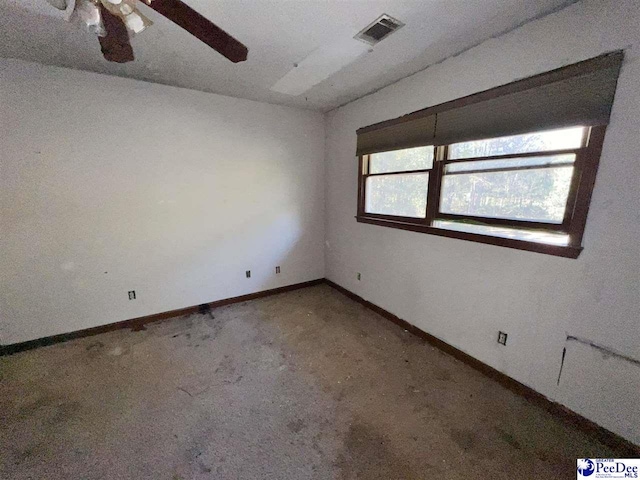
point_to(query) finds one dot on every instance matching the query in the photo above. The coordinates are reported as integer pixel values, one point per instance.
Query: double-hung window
(526, 190)
(397, 183)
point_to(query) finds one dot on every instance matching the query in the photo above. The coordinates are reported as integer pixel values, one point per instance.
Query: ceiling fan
(114, 20)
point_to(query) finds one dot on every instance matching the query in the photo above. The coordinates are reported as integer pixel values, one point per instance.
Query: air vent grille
(379, 30)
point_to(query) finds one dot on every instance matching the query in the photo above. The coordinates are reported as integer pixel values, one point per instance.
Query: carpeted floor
(302, 385)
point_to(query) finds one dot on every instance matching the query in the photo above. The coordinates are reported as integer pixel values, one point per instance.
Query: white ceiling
(279, 34)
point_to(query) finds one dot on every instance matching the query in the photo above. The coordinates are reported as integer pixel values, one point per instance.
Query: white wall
(109, 185)
(464, 292)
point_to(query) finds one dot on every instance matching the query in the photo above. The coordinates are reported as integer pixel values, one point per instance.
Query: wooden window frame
(573, 224)
(364, 174)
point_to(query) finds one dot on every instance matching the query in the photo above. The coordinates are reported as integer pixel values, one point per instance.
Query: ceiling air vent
(379, 30)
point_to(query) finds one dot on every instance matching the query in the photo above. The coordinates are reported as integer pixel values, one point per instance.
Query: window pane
(404, 195)
(420, 158)
(551, 238)
(538, 195)
(509, 163)
(564, 138)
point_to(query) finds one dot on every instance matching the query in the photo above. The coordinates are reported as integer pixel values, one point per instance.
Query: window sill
(556, 250)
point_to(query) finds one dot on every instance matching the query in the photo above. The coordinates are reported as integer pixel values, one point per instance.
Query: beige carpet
(301, 385)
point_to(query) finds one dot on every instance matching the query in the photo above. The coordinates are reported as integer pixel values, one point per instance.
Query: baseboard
(139, 323)
(613, 440)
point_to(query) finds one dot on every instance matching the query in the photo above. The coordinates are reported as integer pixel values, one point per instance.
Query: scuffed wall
(464, 292)
(109, 185)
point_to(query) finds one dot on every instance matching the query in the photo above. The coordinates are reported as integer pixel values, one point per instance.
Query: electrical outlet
(277, 269)
(248, 273)
(502, 338)
(359, 276)
(132, 295)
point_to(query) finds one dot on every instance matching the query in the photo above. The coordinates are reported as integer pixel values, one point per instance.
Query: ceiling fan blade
(201, 28)
(115, 44)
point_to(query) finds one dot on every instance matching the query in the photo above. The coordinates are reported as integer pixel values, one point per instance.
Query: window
(526, 191)
(518, 178)
(512, 166)
(397, 182)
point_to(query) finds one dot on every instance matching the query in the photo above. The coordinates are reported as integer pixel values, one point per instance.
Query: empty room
(319, 239)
